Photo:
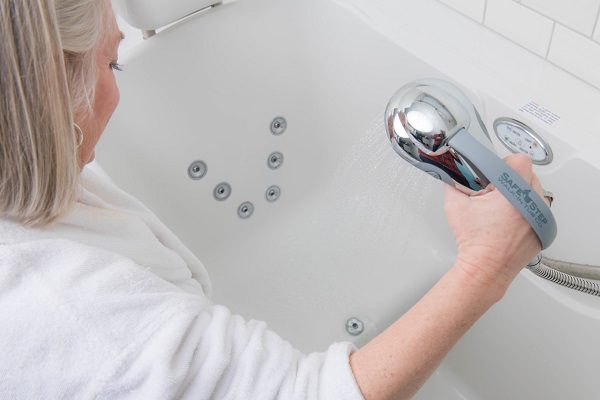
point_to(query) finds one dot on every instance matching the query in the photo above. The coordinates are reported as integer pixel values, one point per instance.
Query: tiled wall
(564, 32)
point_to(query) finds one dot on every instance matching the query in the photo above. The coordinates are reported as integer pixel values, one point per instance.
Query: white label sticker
(541, 113)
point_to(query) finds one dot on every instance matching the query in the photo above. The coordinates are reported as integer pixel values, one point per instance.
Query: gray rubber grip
(518, 192)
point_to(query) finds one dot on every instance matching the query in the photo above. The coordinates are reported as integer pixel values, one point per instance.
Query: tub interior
(356, 232)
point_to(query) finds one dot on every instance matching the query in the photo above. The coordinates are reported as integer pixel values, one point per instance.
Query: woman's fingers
(521, 163)
(454, 198)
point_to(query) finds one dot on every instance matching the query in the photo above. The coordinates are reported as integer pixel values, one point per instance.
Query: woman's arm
(494, 243)
(396, 363)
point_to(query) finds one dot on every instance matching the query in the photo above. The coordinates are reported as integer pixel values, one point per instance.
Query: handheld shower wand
(434, 126)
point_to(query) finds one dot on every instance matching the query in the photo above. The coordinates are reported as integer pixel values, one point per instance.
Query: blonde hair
(47, 75)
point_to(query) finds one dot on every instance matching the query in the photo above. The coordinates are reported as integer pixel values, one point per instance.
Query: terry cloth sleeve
(79, 322)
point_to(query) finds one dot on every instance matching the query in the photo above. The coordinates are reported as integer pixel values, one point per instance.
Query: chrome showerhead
(434, 126)
(421, 119)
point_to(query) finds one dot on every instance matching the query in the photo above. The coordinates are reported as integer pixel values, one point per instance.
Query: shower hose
(583, 278)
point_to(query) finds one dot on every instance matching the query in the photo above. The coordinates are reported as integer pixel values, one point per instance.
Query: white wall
(565, 33)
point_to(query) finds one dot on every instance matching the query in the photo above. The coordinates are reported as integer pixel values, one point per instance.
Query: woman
(99, 300)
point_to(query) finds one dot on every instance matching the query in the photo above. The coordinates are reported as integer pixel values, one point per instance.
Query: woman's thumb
(521, 163)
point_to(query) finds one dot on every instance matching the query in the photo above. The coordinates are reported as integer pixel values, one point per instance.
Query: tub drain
(245, 210)
(222, 191)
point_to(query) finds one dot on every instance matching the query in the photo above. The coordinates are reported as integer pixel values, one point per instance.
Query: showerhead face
(434, 126)
(421, 119)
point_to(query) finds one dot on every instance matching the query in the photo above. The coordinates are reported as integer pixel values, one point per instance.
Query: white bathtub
(356, 232)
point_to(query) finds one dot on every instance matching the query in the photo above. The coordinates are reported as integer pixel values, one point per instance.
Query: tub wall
(359, 264)
(505, 78)
(564, 33)
(497, 46)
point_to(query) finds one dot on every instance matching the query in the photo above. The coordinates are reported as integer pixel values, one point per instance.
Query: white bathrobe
(109, 304)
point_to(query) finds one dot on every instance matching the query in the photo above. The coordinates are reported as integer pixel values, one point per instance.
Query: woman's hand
(494, 244)
(494, 241)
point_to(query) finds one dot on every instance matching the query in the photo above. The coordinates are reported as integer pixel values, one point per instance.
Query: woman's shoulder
(66, 266)
(65, 263)
(69, 307)
(110, 219)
